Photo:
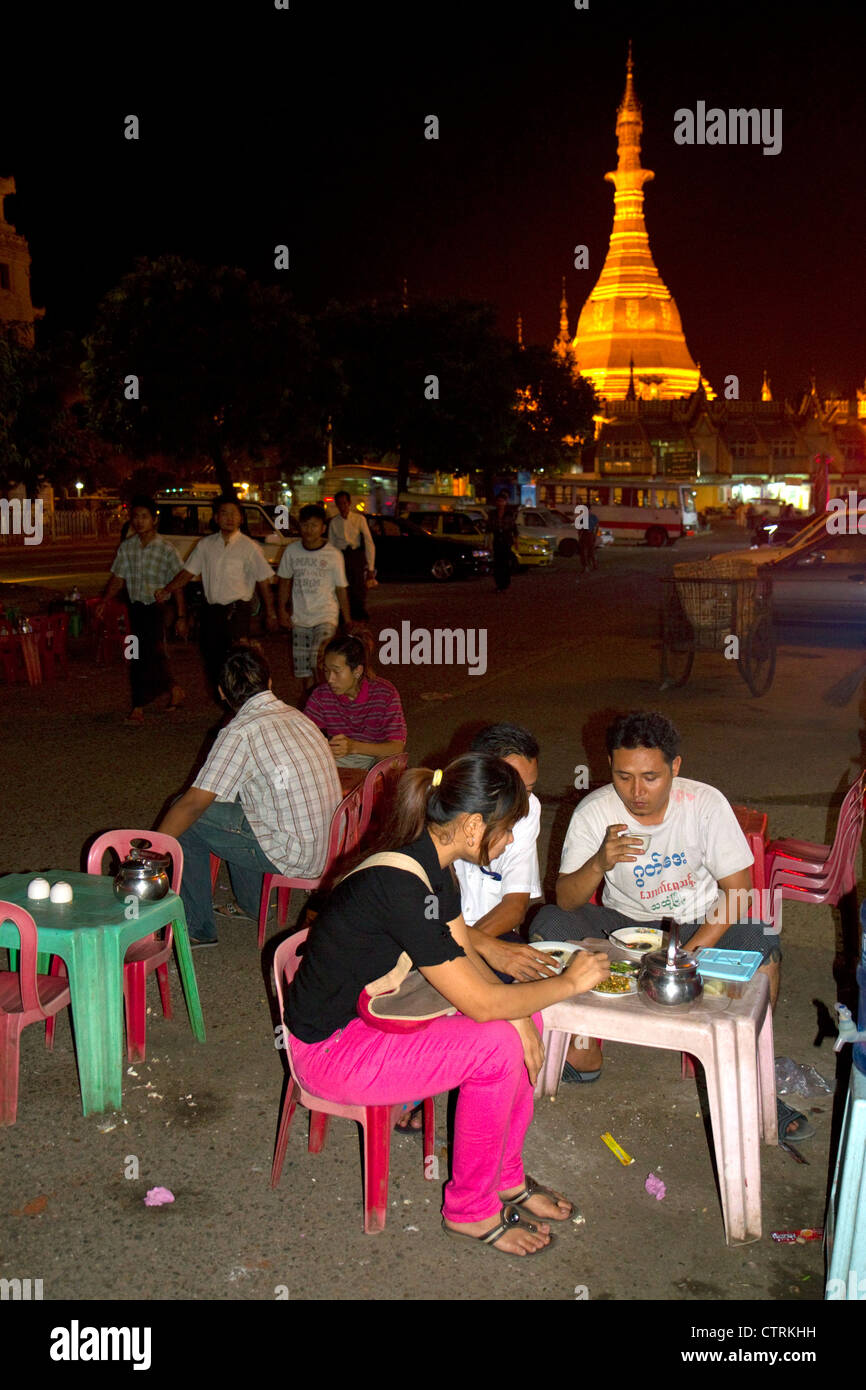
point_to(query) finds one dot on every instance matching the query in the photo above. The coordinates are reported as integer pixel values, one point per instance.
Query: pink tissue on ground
(158, 1196)
(655, 1187)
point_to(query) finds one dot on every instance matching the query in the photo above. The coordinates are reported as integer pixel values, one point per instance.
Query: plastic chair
(151, 953)
(51, 631)
(343, 839)
(109, 632)
(25, 997)
(378, 788)
(376, 1121)
(806, 857)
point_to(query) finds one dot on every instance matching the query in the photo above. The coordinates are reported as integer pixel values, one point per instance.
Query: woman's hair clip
(437, 777)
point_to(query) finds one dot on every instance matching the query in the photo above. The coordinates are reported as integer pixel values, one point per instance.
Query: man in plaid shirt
(146, 563)
(263, 801)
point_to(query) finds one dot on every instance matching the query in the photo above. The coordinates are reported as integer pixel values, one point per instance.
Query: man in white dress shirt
(495, 900)
(231, 566)
(349, 532)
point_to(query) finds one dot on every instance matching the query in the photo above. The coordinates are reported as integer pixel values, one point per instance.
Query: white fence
(70, 525)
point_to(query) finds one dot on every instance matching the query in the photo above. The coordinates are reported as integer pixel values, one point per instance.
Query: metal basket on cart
(708, 603)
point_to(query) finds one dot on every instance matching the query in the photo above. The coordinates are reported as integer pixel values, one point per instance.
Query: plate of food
(638, 939)
(562, 951)
(618, 986)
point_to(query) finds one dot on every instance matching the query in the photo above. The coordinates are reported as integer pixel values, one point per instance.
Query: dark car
(406, 551)
(825, 582)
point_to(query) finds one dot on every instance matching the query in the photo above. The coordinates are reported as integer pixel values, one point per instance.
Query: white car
(838, 521)
(182, 521)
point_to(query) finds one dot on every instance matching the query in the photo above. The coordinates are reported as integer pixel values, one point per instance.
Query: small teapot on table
(671, 976)
(143, 873)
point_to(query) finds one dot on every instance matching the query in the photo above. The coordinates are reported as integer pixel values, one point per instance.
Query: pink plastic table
(732, 1038)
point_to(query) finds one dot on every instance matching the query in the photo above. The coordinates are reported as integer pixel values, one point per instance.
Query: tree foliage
(224, 366)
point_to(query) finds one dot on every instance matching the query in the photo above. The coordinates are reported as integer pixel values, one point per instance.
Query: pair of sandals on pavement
(786, 1115)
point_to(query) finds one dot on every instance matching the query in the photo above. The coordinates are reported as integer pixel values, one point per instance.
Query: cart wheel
(677, 662)
(757, 661)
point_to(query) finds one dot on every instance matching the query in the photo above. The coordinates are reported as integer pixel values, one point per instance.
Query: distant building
(16, 306)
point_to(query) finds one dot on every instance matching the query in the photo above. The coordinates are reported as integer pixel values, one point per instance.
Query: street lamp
(79, 487)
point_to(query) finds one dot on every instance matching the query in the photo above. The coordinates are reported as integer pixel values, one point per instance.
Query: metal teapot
(670, 977)
(143, 873)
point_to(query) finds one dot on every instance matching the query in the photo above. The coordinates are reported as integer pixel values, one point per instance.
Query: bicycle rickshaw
(707, 604)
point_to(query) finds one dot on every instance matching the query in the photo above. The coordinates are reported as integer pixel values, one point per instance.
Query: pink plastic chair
(378, 789)
(376, 1121)
(25, 997)
(343, 839)
(806, 857)
(51, 631)
(144, 957)
(110, 632)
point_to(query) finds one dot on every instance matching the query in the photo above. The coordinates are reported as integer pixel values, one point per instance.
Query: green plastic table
(92, 935)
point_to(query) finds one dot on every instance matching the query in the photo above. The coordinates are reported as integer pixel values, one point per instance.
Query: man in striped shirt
(361, 717)
(263, 801)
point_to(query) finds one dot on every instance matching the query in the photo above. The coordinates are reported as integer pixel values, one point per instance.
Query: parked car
(182, 521)
(406, 550)
(824, 581)
(780, 530)
(528, 549)
(457, 525)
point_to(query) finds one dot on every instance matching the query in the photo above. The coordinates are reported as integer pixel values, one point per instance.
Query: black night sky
(306, 126)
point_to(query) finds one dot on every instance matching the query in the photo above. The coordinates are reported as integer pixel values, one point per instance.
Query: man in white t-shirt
(312, 578)
(495, 900)
(694, 869)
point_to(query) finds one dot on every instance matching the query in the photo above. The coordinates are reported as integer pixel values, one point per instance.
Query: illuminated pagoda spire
(562, 347)
(631, 394)
(520, 331)
(766, 393)
(631, 314)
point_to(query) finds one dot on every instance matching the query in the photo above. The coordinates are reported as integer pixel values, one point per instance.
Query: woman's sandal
(570, 1073)
(509, 1218)
(231, 909)
(408, 1114)
(532, 1188)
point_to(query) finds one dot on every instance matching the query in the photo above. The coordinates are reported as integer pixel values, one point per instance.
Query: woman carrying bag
(381, 918)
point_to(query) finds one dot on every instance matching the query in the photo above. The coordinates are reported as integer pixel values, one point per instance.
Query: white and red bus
(655, 510)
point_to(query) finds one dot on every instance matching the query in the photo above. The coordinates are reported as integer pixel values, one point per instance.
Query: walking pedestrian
(313, 580)
(503, 533)
(232, 567)
(349, 533)
(145, 563)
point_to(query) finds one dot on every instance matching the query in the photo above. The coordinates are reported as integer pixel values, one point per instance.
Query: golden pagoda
(629, 329)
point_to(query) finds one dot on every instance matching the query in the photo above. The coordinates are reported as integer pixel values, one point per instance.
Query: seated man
(696, 868)
(263, 801)
(494, 901)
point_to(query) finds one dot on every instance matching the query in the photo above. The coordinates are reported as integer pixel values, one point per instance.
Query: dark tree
(224, 366)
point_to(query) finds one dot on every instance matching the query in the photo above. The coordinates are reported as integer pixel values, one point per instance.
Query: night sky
(306, 127)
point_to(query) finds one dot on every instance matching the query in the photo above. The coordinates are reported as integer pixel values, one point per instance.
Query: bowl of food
(638, 940)
(561, 951)
(617, 986)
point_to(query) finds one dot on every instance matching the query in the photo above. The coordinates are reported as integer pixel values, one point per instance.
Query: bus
(634, 509)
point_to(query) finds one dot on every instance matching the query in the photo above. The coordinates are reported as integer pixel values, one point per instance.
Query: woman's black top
(369, 919)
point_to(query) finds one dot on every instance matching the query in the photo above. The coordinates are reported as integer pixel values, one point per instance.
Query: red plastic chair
(378, 789)
(51, 631)
(12, 659)
(25, 997)
(836, 861)
(343, 838)
(376, 1121)
(151, 953)
(110, 632)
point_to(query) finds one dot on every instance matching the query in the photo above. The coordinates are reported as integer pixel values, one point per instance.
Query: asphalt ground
(565, 652)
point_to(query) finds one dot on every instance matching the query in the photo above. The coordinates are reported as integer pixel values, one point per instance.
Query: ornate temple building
(630, 341)
(16, 306)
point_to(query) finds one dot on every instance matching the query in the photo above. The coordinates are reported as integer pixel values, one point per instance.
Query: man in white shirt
(232, 567)
(495, 900)
(263, 801)
(695, 866)
(313, 579)
(349, 532)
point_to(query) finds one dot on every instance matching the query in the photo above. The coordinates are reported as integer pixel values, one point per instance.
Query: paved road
(563, 653)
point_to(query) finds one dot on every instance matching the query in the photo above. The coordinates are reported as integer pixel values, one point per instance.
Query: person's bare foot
(517, 1240)
(411, 1119)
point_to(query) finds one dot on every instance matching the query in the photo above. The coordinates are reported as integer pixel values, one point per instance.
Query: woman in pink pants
(491, 1049)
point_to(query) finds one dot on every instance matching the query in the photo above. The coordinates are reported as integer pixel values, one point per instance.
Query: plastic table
(846, 1210)
(732, 1038)
(92, 935)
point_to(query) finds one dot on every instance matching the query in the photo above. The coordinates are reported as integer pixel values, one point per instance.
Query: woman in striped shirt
(360, 715)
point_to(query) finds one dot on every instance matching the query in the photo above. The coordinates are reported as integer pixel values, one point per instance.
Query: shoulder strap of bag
(390, 859)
